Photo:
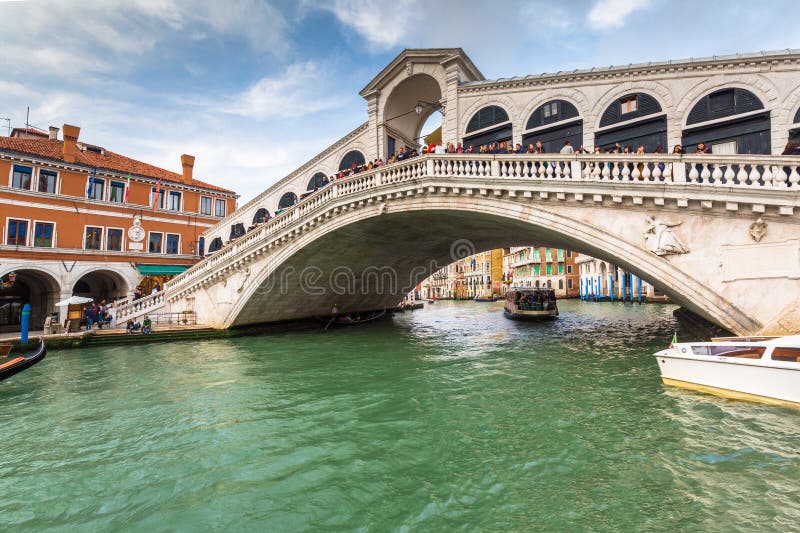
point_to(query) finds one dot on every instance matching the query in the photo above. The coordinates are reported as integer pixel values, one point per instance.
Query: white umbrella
(74, 300)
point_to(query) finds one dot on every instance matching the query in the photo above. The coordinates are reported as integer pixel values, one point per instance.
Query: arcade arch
(731, 120)
(407, 108)
(491, 124)
(287, 200)
(35, 287)
(351, 159)
(101, 285)
(634, 119)
(553, 123)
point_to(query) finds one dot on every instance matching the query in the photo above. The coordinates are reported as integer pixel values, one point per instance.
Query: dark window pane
(21, 178)
(114, 240)
(17, 232)
(43, 235)
(93, 238)
(173, 242)
(154, 244)
(47, 181)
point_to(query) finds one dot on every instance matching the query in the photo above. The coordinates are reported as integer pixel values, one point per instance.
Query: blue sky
(255, 88)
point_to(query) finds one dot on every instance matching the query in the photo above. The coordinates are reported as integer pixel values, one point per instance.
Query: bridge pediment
(408, 60)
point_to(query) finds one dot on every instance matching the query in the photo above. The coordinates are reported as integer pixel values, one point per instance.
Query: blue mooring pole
(26, 317)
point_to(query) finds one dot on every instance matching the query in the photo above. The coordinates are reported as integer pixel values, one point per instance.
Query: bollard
(26, 317)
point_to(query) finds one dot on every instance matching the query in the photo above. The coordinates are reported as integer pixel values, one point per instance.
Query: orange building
(79, 219)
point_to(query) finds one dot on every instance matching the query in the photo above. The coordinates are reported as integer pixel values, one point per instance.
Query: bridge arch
(728, 120)
(358, 240)
(351, 159)
(400, 118)
(287, 200)
(553, 122)
(491, 123)
(261, 215)
(632, 118)
(317, 181)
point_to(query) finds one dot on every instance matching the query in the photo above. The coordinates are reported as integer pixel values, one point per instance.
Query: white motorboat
(763, 369)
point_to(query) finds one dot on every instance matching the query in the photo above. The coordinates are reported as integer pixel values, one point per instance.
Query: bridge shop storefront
(729, 121)
(157, 274)
(489, 125)
(554, 123)
(633, 120)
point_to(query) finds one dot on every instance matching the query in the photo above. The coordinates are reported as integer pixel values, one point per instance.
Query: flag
(157, 195)
(127, 188)
(674, 340)
(90, 188)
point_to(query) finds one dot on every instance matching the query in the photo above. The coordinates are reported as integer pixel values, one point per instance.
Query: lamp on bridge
(421, 105)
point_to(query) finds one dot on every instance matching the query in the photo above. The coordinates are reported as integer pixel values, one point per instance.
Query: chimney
(70, 148)
(53, 133)
(187, 162)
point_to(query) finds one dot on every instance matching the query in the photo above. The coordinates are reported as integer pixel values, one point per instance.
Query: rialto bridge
(718, 232)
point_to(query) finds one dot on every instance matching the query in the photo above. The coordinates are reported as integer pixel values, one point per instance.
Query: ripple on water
(447, 418)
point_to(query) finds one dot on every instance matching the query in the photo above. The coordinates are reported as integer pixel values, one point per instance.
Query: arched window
(616, 127)
(317, 181)
(262, 215)
(237, 230)
(352, 158)
(215, 245)
(728, 121)
(566, 126)
(491, 124)
(794, 133)
(287, 200)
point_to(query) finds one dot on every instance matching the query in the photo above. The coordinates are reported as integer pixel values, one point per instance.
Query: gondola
(18, 364)
(348, 320)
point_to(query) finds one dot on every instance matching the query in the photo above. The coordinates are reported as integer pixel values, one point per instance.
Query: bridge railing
(740, 171)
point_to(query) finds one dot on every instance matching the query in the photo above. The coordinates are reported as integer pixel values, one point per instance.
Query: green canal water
(448, 418)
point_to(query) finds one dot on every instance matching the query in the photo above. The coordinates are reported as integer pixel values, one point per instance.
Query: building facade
(538, 266)
(601, 280)
(479, 275)
(80, 219)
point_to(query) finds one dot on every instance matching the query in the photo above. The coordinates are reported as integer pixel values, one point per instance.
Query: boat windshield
(742, 351)
(789, 355)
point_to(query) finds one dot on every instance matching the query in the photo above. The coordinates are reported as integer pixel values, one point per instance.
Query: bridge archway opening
(729, 121)
(490, 124)
(363, 265)
(352, 159)
(216, 244)
(287, 200)
(408, 108)
(34, 287)
(794, 131)
(554, 123)
(636, 119)
(316, 182)
(101, 285)
(261, 215)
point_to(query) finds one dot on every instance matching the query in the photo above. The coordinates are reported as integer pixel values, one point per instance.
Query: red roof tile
(108, 160)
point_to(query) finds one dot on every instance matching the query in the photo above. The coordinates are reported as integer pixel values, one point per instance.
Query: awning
(160, 270)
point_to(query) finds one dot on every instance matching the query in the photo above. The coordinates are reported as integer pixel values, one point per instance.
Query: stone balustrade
(695, 173)
(142, 306)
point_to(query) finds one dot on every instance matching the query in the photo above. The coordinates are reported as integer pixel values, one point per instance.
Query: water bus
(530, 304)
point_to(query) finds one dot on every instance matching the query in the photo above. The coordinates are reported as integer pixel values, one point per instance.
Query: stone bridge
(719, 234)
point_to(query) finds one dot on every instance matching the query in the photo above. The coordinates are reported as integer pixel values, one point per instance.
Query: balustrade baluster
(626, 172)
(657, 174)
(558, 171)
(717, 175)
(754, 175)
(605, 173)
(693, 174)
(729, 175)
(767, 176)
(705, 174)
(794, 177)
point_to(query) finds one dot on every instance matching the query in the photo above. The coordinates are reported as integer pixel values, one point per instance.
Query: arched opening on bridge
(34, 287)
(351, 159)
(287, 200)
(554, 123)
(794, 131)
(261, 215)
(489, 125)
(316, 182)
(101, 285)
(729, 121)
(216, 244)
(237, 230)
(383, 271)
(409, 111)
(634, 120)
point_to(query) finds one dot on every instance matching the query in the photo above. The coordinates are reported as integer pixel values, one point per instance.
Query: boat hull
(532, 316)
(12, 367)
(743, 380)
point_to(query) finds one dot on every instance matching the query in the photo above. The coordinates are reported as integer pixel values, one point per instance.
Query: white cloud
(301, 89)
(607, 14)
(383, 23)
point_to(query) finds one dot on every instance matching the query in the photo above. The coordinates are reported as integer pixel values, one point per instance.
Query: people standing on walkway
(90, 316)
(567, 149)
